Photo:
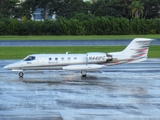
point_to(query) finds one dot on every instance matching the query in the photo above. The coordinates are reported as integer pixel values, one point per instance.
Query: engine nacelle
(96, 57)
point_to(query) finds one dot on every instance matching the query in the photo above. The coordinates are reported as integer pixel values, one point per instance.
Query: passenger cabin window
(75, 58)
(50, 59)
(56, 59)
(62, 58)
(30, 58)
(69, 58)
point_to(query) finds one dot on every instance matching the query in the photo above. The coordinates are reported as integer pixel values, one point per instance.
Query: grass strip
(82, 37)
(21, 52)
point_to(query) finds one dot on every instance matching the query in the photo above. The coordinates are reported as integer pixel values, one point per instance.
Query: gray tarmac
(128, 91)
(69, 42)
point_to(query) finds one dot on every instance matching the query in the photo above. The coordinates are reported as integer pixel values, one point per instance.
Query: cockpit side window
(50, 59)
(30, 58)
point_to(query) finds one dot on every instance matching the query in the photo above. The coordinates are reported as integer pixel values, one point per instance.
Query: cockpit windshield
(29, 58)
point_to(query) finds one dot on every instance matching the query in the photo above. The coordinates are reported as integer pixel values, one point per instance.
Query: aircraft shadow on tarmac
(71, 78)
(63, 80)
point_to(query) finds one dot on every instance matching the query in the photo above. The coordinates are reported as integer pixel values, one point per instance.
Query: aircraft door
(87, 58)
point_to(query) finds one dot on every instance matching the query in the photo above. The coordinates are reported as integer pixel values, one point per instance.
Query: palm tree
(137, 8)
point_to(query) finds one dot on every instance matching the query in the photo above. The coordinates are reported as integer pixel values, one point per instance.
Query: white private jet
(136, 51)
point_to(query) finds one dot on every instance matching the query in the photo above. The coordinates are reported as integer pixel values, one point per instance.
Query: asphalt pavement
(122, 92)
(69, 42)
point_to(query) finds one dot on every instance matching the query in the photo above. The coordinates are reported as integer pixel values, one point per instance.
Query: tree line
(69, 8)
(76, 17)
(92, 26)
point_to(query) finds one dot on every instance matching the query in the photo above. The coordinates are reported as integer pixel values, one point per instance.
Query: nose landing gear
(84, 73)
(21, 74)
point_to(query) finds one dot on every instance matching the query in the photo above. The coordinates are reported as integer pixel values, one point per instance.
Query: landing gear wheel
(21, 74)
(84, 73)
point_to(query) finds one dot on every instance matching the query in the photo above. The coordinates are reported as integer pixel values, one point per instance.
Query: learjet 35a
(136, 51)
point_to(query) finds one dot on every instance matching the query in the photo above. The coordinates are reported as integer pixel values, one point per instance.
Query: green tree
(137, 8)
(68, 8)
(8, 8)
(122, 7)
(151, 8)
(104, 8)
(29, 6)
(46, 7)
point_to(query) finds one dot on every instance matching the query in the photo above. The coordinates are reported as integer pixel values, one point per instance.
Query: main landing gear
(21, 74)
(84, 73)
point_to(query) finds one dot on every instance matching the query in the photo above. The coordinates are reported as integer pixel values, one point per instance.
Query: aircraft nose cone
(6, 67)
(12, 66)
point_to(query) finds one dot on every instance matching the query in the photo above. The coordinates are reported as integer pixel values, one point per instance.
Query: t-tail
(136, 51)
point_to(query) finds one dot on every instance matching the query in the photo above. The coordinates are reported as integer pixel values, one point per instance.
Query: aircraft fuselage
(60, 61)
(136, 51)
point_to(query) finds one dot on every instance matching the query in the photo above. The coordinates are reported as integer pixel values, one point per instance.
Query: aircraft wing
(83, 67)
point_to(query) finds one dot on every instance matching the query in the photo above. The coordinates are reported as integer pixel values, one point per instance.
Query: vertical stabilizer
(138, 49)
